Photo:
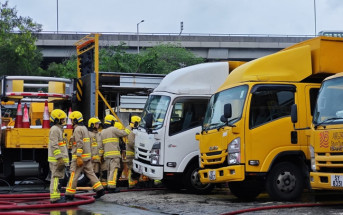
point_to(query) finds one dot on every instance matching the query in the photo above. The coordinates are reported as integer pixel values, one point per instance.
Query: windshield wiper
(327, 120)
(231, 120)
(228, 123)
(211, 126)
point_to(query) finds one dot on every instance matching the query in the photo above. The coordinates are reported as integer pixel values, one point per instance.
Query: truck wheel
(192, 181)
(246, 190)
(285, 182)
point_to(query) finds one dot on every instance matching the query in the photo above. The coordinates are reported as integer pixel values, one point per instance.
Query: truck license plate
(212, 175)
(336, 180)
(140, 171)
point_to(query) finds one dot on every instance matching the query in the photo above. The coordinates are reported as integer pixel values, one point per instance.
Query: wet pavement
(220, 201)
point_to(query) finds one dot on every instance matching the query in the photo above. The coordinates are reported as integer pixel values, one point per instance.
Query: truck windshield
(156, 105)
(329, 108)
(215, 109)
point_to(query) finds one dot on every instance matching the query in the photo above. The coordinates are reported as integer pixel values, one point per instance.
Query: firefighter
(81, 158)
(57, 154)
(97, 150)
(96, 144)
(130, 150)
(110, 139)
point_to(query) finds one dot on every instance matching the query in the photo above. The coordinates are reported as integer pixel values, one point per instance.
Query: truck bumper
(224, 174)
(320, 180)
(153, 172)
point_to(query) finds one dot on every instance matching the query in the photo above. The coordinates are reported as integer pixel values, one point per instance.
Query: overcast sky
(284, 17)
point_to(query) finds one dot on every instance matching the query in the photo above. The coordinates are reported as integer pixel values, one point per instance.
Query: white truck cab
(165, 145)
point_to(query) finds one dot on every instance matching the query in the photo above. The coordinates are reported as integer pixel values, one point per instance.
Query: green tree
(18, 52)
(116, 59)
(66, 69)
(160, 59)
(165, 58)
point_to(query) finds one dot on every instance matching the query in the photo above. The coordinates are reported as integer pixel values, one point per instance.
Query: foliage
(18, 53)
(160, 59)
(165, 58)
(66, 69)
(116, 59)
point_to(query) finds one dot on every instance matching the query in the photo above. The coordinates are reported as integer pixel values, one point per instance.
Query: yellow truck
(23, 151)
(247, 138)
(326, 131)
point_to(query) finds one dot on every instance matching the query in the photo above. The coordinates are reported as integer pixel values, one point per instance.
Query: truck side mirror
(227, 111)
(223, 119)
(148, 120)
(294, 113)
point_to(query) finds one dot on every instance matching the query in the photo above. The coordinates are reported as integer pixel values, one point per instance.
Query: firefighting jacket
(110, 139)
(96, 146)
(57, 147)
(81, 143)
(130, 145)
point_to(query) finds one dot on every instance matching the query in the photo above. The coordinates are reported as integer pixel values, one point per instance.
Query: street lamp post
(315, 18)
(57, 16)
(138, 35)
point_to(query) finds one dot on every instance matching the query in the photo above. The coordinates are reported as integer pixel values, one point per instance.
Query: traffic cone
(69, 124)
(26, 121)
(46, 121)
(19, 118)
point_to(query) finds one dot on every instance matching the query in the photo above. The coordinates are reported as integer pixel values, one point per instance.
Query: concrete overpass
(56, 47)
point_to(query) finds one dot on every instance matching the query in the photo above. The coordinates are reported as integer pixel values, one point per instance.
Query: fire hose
(42, 200)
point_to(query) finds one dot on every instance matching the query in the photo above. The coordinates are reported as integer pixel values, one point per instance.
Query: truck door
(185, 121)
(268, 128)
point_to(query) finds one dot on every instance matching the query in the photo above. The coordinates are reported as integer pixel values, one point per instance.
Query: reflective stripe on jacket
(96, 146)
(110, 139)
(81, 143)
(57, 147)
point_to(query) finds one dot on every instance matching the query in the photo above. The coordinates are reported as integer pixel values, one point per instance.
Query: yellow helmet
(118, 125)
(76, 116)
(135, 119)
(92, 121)
(57, 114)
(109, 118)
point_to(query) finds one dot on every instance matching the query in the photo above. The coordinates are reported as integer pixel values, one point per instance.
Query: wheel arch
(187, 161)
(295, 157)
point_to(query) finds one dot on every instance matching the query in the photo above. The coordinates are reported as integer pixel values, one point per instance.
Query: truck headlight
(234, 152)
(155, 154)
(313, 161)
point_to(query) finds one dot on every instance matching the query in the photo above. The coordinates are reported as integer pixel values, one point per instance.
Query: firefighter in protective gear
(81, 158)
(130, 150)
(57, 154)
(97, 150)
(110, 139)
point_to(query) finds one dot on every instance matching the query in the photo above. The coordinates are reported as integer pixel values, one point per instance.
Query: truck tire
(192, 181)
(246, 190)
(285, 182)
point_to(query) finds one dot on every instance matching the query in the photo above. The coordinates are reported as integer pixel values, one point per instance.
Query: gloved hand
(132, 125)
(79, 161)
(60, 164)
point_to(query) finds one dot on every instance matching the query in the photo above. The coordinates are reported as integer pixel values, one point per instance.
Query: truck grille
(213, 153)
(143, 154)
(212, 158)
(329, 160)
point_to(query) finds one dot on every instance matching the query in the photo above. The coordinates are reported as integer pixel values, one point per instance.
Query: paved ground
(220, 201)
